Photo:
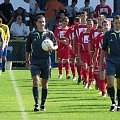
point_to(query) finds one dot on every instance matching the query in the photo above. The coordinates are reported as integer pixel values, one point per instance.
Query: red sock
(85, 75)
(91, 78)
(98, 83)
(91, 75)
(97, 80)
(79, 70)
(103, 86)
(60, 65)
(67, 67)
(73, 69)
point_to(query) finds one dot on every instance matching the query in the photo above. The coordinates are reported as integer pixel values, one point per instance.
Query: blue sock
(3, 64)
(118, 93)
(111, 92)
(0, 66)
(44, 96)
(35, 94)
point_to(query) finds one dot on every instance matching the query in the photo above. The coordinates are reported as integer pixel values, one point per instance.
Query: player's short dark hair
(74, 1)
(78, 14)
(99, 27)
(103, 13)
(116, 17)
(39, 17)
(89, 20)
(87, 0)
(65, 19)
(83, 12)
(105, 21)
(95, 20)
(77, 19)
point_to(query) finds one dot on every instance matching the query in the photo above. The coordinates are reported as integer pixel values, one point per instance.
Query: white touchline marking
(18, 96)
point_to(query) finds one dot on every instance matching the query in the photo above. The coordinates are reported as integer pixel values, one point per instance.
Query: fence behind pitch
(16, 51)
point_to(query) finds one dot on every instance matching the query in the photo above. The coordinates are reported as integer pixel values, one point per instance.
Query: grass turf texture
(66, 100)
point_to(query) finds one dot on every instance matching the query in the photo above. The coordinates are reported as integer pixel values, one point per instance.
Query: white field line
(18, 96)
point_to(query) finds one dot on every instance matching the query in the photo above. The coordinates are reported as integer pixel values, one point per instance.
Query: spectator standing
(6, 11)
(88, 9)
(33, 12)
(34, 8)
(111, 45)
(103, 8)
(52, 8)
(39, 60)
(72, 10)
(20, 11)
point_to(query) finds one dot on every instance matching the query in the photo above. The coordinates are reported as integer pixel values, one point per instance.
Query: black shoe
(68, 77)
(118, 108)
(42, 108)
(79, 81)
(36, 108)
(3, 70)
(113, 108)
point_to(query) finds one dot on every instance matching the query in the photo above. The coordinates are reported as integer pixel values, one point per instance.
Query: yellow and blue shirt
(2, 36)
(6, 31)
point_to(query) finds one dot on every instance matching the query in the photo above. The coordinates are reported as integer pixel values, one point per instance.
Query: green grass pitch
(66, 100)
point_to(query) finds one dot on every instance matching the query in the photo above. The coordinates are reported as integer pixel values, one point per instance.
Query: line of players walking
(79, 48)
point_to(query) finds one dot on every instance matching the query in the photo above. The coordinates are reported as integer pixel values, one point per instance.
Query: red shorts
(63, 53)
(72, 55)
(85, 57)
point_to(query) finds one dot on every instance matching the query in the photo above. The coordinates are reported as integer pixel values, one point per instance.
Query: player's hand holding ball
(47, 45)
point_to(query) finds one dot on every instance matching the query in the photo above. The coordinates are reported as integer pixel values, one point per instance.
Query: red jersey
(99, 9)
(78, 29)
(98, 42)
(70, 35)
(59, 34)
(98, 45)
(93, 33)
(83, 40)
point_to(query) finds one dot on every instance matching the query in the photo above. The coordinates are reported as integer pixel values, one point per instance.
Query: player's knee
(85, 66)
(72, 61)
(59, 61)
(109, 85)
(118, 83)
(35, 81)
(44, 84)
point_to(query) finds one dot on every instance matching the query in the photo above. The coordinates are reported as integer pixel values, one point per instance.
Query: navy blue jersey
(111, 44)
(33, 45)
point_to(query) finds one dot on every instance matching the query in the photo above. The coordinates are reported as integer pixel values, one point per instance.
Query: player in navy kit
(38, 60)
(111, 44)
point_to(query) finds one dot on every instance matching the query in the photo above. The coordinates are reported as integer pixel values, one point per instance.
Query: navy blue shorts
(1, 52)
(5, 52)
(41, 68)
(112, 69)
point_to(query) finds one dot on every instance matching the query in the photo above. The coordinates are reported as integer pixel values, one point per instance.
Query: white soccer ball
(46, 44)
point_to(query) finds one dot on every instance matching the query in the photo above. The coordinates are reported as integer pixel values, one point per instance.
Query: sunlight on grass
(66, 100)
